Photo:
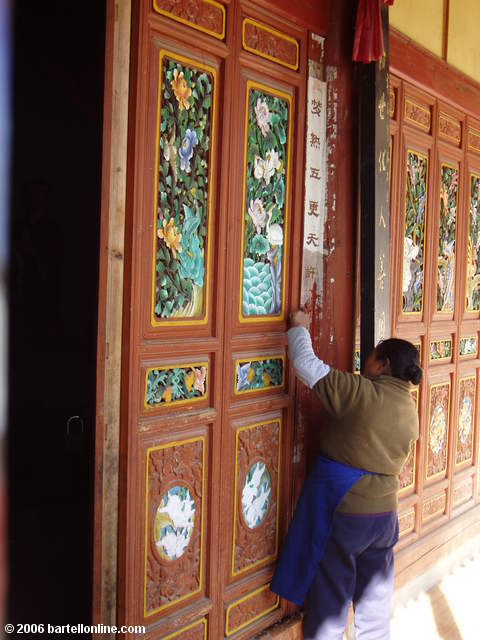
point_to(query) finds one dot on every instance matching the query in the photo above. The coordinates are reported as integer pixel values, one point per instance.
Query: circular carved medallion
(256, 495)
(465, 420)
(174, 521)
(438, 429)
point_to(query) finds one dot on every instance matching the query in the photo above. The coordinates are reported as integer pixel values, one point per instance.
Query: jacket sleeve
(308, 368)
(342, 393)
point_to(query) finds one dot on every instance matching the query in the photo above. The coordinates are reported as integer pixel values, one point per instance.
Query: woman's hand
(298, 318)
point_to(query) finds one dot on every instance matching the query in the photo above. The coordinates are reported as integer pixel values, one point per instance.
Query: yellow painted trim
(197, 65)
(467, 355)
(470, 459)
(176, 634)
(422, 108)
(280, 94)
(457, 169)
(418, 153)
(427, 447)
(281, 35)
(266, 357)
(235, 505)
(219, 36)
(175, 403)
(169, 445)
(473, 176)
(228, 631)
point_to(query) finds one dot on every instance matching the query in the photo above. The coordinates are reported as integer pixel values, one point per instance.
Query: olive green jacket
(372, 424)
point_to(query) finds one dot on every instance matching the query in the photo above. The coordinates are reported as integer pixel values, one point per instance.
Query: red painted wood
(312, 14)
(415, 64)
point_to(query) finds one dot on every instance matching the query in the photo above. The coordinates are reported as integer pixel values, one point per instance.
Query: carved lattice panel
(437, 430)
(257, 460)
(465, 420)
(174, 523)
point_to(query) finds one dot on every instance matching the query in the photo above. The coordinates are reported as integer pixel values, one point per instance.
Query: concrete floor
(447, 611)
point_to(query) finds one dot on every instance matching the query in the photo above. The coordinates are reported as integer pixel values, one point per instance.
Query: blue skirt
(326, 486)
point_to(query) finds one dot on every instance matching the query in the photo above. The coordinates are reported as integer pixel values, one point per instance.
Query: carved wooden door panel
(216, 148)
(435, 293)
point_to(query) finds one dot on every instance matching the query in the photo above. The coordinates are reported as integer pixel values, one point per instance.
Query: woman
(340, 543)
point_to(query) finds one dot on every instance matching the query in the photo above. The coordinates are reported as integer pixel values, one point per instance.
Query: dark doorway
(55, 193)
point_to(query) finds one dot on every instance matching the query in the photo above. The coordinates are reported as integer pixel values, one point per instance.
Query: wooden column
(374, 125)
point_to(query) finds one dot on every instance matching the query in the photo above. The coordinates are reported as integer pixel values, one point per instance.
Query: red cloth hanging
(368, 42)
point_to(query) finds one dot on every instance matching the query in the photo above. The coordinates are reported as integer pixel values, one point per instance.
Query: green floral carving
(259, 374)
(356, 361)
(446, 239)
(413, 246)
(183, 190)
(440, 349)
(166, 386)
(264, 206)
(468, 346)
(473, 248)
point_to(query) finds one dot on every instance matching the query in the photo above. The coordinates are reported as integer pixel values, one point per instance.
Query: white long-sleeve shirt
(308, 368)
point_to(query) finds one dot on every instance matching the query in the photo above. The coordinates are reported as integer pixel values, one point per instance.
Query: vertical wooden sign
(374, 200)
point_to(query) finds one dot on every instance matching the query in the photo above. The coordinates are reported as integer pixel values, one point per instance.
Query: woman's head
(396, 357)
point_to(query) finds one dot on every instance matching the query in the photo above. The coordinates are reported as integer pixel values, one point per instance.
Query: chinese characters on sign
(315, 183)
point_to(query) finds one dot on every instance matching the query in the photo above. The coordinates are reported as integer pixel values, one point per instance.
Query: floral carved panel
(418, 115)
(468, 346)
(449, 128)
(186, 126)
(446, 238)
(194, 631)
(407, 474)
(264, 222)
(437, 435)
(255, 539)
(251, 607)
(465, 420)
(174, 523)
(414, 235)
(463, 492)
(406, 522)
(472, 293)
(174, 385)
(441, 350)
(258, 374)
(473, 140)
(434, 506)
(392, 102)
(205, 15)
(269, 43)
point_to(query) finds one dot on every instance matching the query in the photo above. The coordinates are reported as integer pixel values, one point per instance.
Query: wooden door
(216, 151)
(435, 199)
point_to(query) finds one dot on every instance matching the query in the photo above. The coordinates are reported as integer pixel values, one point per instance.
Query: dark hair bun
(415, 374)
